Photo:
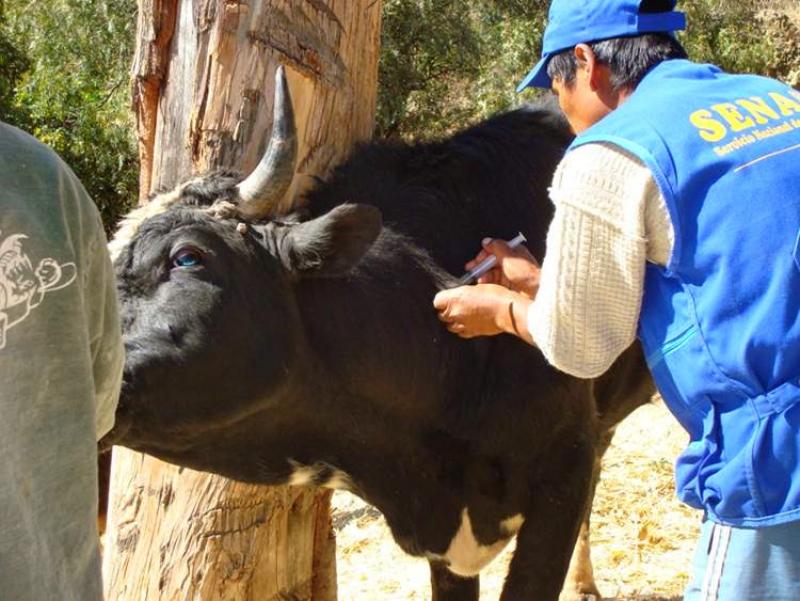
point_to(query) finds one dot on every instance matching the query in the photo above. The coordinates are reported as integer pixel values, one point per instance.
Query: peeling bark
(217, 105)
(155, 27)
(203, 82)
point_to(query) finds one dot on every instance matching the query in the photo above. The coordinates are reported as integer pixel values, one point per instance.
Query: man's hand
(483, 310)
(516, 268)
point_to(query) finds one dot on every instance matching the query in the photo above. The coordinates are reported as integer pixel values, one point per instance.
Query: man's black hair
(628, 58)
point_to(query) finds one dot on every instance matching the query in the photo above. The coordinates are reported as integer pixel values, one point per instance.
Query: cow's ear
(331, 244)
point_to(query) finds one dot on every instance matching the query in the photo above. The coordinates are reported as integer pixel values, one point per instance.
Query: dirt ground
(643, 538)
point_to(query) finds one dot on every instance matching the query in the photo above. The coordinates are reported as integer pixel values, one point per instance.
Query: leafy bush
(444, 64)
(489, 45)
(13, 65)
(68, 86)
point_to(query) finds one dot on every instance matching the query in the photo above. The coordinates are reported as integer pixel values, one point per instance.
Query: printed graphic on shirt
(23, 284)
(746, 121)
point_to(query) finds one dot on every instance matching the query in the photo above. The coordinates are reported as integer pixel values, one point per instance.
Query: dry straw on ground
(643, 537)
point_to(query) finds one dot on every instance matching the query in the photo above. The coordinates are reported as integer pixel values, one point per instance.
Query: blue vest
(721, 323)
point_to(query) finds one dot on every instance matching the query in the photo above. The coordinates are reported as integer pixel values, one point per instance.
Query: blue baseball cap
(572, 22)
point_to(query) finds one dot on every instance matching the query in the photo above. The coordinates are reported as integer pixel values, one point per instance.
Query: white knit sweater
(610, 219)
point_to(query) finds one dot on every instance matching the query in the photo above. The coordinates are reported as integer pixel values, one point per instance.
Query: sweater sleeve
(610, 219)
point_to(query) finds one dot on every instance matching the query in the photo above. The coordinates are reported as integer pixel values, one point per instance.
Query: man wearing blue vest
(678, 221)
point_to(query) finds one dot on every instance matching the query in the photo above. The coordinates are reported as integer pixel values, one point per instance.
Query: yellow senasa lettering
(795, 93)
(711, 130)
(759, 108)
(731, 114)
(786, 105)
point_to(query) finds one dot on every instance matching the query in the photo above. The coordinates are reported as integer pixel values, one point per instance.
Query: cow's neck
(393, 460)
(376, 334)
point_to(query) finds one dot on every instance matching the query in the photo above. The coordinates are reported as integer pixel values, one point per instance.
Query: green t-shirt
(60, 368)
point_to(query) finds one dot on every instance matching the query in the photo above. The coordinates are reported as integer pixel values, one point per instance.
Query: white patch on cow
(131, 223)
(340, 481)
(512, 525)
(309, 475)
(302, 476)
(466, 556)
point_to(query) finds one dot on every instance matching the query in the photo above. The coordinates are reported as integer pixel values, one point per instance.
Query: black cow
(304, 348)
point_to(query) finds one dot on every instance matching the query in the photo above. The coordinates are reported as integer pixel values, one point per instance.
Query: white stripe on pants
(720, 539)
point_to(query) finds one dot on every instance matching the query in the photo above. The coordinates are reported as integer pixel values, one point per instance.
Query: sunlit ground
(643, 538)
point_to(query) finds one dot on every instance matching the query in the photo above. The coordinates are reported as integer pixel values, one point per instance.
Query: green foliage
(729, 34)
(72, 90)
(445, 63)
(482, 49)
(13, 64)
(782, 28)
(432, 46)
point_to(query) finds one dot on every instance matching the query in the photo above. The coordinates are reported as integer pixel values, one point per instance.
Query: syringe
(488, 263)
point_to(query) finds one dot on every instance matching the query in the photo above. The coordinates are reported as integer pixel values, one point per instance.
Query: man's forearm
(514, 318)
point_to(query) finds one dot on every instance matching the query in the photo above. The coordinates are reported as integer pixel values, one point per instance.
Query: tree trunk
(203, 82)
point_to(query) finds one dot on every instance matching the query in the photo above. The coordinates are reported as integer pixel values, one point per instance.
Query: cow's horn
(261, 192)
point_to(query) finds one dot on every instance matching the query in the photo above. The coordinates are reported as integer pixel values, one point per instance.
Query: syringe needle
(488, 262)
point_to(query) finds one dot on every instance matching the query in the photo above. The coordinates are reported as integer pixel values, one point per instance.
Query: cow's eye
(187, 257)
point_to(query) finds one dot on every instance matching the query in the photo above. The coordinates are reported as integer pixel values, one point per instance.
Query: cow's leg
(579, 584)
(546, 539)
(446, 586)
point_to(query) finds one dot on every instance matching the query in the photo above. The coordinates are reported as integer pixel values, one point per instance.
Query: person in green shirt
(61, 360)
